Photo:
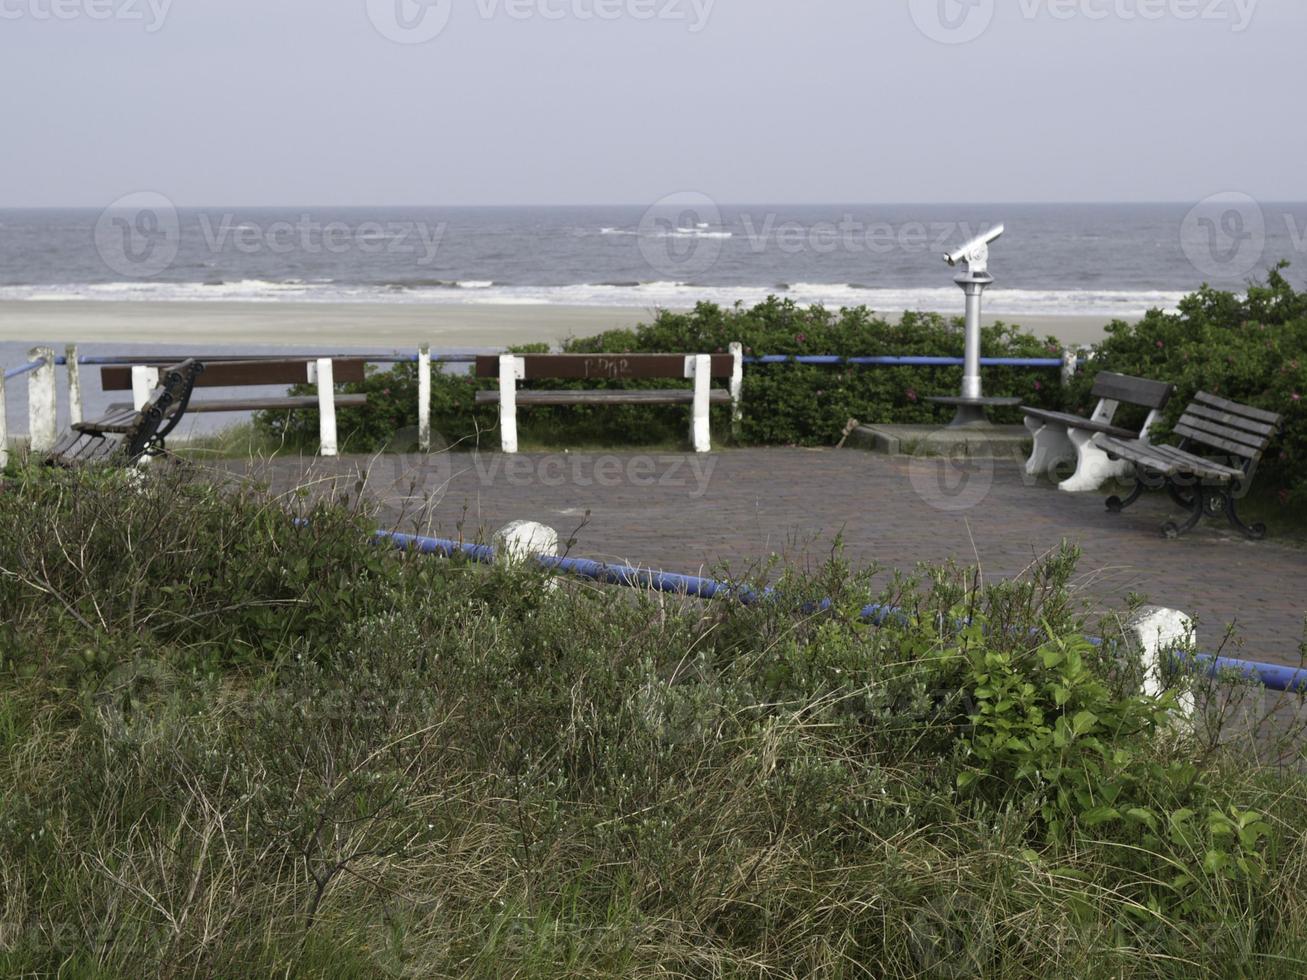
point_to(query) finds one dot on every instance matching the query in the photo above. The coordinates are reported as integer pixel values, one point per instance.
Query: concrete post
(42, 404)
(699, 366)
(4, 423)
(144, 381)
(76, 411)
(737, 388)
(511, 370)
(524, 541)
(1070, 364)
(326, 407)
(1157, 631)
(424, 398)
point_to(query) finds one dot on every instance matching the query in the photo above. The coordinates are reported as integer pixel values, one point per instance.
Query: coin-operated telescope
(972, 403)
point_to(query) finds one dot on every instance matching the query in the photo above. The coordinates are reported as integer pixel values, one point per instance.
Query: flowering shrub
(784, 404)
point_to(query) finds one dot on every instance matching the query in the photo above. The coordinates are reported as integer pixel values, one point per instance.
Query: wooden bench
(126, 434)
(324, 372)
(1061, 437)
(1200, 484)
(701, 368)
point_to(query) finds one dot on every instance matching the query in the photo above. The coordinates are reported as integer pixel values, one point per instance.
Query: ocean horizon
(1110, 260)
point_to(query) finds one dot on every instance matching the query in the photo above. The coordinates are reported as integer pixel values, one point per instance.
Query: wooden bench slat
(1217, 442)
(1133, 391)
(243, 374)
(603, 367)
(668, 396)
(1077, 422)
(272, 404)
(1253, 440)
(1230, 419)
(1188, 462)
(1247, 411)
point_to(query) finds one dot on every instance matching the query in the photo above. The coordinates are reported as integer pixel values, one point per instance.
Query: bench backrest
(603, 367)
(1132, 391)
(1240, 430)
(173, 393)
(240, 374)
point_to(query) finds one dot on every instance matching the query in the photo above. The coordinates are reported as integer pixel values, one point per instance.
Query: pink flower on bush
(1039, 386)
(1160, 345)
(912, 394)
(800, 338)
(1296, 397)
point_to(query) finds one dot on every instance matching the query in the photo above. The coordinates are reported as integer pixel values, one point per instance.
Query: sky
(445, 102)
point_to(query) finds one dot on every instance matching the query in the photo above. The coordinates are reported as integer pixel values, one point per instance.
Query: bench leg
(1116, 504)
(1254, 531)
(1051, 447)
(511, 370)
(1093, 466)
(1203, 499)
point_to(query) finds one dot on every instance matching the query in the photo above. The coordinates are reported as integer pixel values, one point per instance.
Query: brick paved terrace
(686, 513)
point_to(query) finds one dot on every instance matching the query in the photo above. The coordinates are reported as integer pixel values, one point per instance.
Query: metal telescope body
(975, 256)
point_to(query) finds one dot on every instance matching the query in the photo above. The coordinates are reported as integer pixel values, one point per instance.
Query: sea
(1114, 260)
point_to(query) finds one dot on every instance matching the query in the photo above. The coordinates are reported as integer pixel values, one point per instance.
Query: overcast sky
(303, 102)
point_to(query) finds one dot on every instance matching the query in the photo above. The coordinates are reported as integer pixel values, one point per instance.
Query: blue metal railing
(834, 360)
(1273, 677)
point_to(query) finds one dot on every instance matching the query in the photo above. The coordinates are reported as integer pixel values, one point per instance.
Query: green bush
(1249, 349)
(784, 404)
(461, 772)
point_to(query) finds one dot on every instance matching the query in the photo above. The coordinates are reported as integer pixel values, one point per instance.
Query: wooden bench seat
(127, 434)
(260, 372)
(1060, 437)
(511, 369)
(1203, 484)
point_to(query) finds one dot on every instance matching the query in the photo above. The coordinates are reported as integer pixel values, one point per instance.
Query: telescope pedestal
(971, 411)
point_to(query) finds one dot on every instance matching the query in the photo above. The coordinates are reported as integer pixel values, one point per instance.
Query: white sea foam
(677, 295)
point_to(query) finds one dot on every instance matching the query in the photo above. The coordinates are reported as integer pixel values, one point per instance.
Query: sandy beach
(358, 325)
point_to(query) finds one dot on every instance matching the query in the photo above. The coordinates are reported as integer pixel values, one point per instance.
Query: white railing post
(144, 381)
(699, 367)
(76, 411)
(1156, 631)
(737, 387)
(424, 398)
(4, 422)
(511, 371)
(1070, 364)
(325, 378)
(42, 402)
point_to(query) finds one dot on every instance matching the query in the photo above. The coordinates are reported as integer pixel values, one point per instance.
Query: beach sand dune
(325, 326)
